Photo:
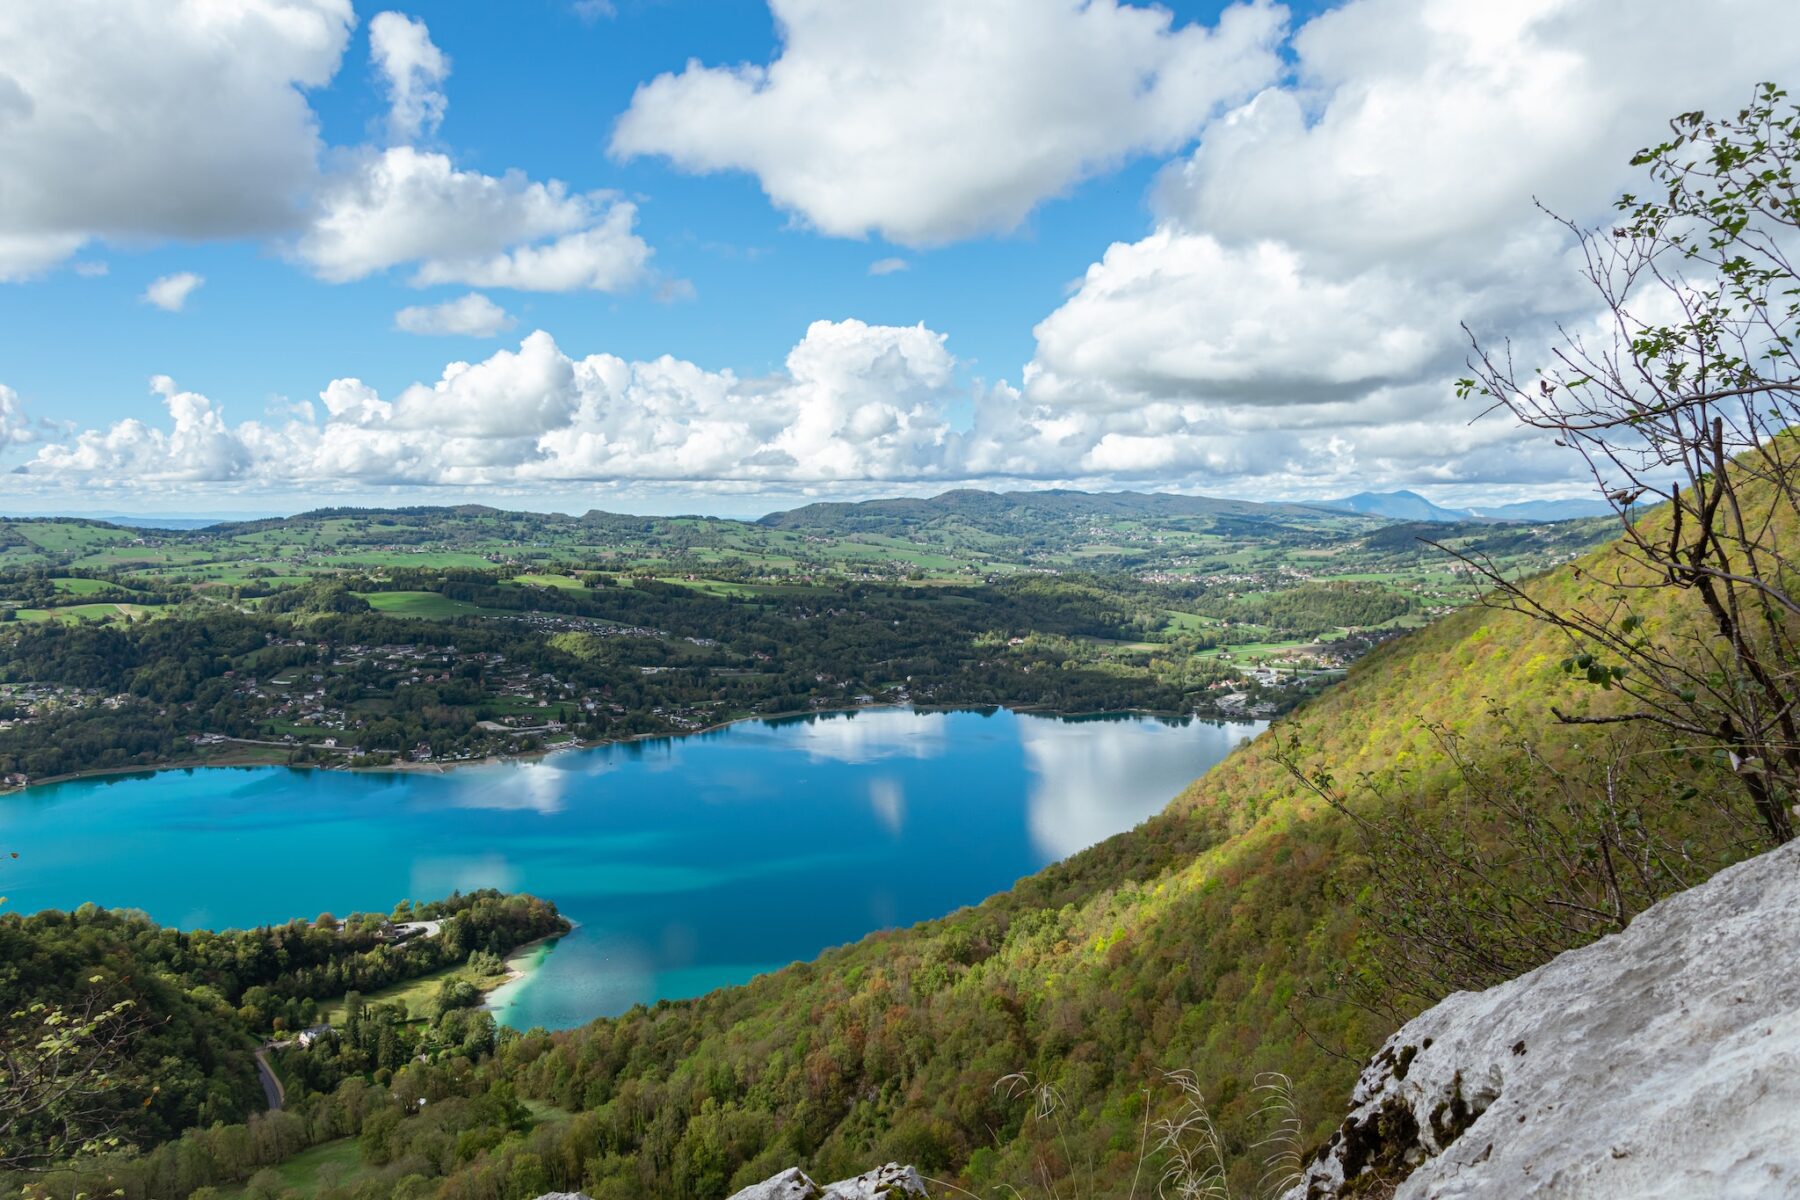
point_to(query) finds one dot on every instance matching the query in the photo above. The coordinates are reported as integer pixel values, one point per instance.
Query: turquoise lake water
(688, 863)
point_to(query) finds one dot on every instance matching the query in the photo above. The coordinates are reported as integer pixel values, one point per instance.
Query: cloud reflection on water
(1073, 798)
(888, 799)
(873, 734)
(521, 787)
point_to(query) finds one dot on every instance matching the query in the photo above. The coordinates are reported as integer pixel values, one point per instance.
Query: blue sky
(536, 87)
(1294, 223)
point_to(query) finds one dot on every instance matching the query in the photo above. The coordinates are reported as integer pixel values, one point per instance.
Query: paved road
(273, 1092)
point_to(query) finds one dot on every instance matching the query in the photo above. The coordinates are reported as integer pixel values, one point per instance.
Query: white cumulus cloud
(608, 257)
(1179, 315)
(404, 205)
(160, 119)
(473, 315)
(940, 119)
(1294, 317)
(413, 69)
(853, 402)
(170, 292)
(381, 209)
(189, 120)
(14, 429)
(197, 446)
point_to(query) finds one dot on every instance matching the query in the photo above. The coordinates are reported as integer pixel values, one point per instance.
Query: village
(339, 706)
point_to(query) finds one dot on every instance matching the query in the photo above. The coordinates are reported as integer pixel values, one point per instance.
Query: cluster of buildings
(27, 701)
(565, 623)
(299, 695)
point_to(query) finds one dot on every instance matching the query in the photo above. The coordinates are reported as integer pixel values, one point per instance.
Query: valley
(371, 639)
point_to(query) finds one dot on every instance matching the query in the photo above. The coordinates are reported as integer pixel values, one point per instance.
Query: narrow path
(273, 1092)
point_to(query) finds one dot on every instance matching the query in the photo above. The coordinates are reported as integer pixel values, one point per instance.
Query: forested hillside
(116, 1031)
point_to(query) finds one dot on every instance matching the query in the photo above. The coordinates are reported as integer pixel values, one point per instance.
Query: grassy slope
(417, 994)
(1190, 942)
(339, 1161)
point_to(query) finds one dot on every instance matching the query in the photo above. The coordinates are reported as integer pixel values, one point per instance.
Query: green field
(1251, 651)
(722, 587)
(437, 559)
(82, 587)
(309, 1171)
(1185, 622)
(59, 536)
(416, 994)
(427, 605)
(555, 581)
(90, 612)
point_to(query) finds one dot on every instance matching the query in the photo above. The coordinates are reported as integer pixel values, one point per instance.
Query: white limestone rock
(791, 1184)
(1660, 1061)
(892, 1182)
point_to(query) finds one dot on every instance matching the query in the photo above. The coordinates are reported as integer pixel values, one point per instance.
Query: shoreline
(436, 768)
(518, 975)
(514, 974)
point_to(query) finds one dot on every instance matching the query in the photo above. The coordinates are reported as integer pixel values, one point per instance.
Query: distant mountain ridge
(981, 506)
(1410, 506)
(1567, 509)
(971, 505)
(127, 521)
(1396, 506)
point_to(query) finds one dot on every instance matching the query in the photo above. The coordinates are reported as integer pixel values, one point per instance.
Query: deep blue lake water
(688, 863)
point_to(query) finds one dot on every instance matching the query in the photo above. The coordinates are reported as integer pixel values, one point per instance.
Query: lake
(688, 863)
